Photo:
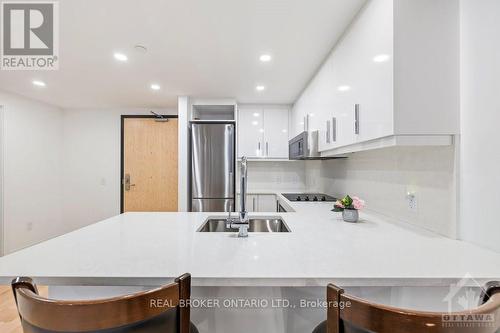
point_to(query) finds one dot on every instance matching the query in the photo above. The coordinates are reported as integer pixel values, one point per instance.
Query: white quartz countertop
(152, 248)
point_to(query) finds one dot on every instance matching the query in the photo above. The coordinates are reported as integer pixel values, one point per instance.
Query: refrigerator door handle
(232, 160)
(231, 149)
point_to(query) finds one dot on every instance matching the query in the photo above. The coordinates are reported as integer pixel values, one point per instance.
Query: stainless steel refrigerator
(212, 166)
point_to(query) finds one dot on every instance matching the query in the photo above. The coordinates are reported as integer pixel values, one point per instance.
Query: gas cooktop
(308, 197)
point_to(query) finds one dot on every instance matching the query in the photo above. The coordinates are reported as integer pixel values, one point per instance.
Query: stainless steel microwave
(304, 146)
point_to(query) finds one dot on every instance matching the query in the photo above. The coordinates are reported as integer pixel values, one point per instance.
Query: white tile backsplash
(383, 177)
(286, 175)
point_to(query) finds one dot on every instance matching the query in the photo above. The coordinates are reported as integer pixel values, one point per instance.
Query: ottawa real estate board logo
(29, 35)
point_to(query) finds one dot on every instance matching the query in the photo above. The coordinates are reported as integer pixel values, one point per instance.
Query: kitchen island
(376, 257)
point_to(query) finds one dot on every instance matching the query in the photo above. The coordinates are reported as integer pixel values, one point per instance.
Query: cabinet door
(252, 203)
(276, 133)
(298, 114)
(267, 203)
(363, 73)
(369, 45)
(250, 132)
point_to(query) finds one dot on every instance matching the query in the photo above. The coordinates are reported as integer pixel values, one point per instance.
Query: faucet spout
(241, 222)
(243, 191)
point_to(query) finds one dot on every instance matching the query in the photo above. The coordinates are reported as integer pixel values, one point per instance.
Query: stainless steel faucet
(242, 221)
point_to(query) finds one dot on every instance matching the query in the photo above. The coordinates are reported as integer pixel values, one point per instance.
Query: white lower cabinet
(267, 203)
(259, 203)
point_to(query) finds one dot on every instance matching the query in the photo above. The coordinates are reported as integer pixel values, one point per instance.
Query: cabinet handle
(267, 148)
(334, 129)
(356, 118)
(253, 204)
(328, 131)
(258, 148)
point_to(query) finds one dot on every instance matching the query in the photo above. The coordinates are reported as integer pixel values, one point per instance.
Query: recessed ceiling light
(265, 58)
(260, 88)
(155, 86)
(344, 88)
(261, 130)
(381, 58)
(256, 114)
(39, 83)
(255, 123)
(120, 56)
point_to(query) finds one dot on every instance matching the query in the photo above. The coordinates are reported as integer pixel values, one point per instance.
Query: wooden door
(150, 165)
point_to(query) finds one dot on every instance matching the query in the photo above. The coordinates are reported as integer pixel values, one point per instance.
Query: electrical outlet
(411, 197)
(29, 226)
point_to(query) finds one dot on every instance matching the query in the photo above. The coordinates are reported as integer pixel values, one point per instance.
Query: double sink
(255, 224)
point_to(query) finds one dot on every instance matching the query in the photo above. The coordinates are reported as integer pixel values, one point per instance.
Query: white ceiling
(204, 48)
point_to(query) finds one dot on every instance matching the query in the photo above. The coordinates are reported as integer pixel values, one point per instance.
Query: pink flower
(339, 204)
(357, 203)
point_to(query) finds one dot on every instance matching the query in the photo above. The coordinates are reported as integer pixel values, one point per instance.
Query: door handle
(356, 118)
(334, 129)
(328, 131)
(126, 182)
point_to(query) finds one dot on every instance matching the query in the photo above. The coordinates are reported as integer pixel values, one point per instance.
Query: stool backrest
(350, 314)
(164, 309)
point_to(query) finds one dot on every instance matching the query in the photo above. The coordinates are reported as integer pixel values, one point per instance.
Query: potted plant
(349, 207)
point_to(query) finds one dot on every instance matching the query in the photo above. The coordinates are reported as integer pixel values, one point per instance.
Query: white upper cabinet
(250, 132)
(263, 132)
(394, 73)
(276, 132)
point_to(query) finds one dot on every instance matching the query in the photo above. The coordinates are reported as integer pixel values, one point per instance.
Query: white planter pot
(350, 215)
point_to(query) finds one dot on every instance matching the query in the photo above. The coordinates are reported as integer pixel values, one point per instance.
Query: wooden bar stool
(349, 314)
(161, 310)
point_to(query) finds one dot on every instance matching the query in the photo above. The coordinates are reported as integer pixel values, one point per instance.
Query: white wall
(2, 141)
(184, 112)
(61, 168)
(480, 119)
(32, 183)
(92, 163)
(383, 177)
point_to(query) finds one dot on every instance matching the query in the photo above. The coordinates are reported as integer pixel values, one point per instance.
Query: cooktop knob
(307, 198)
(298, 198)
(315, 198)
(323, 198)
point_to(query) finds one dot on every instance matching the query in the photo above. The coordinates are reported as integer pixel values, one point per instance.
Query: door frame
(122, 137)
